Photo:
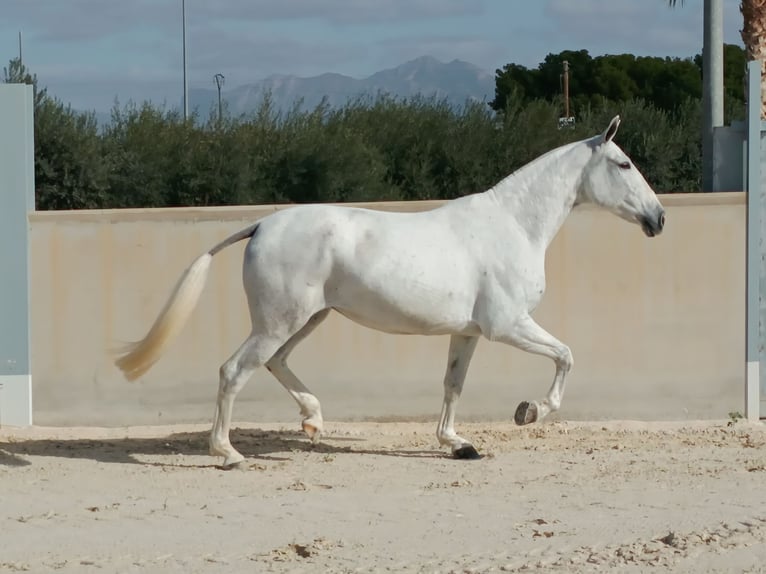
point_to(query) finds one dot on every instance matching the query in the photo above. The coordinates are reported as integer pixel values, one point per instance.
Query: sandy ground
(382, 497)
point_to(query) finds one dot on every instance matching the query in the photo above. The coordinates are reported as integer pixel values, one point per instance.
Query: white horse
(473, 267)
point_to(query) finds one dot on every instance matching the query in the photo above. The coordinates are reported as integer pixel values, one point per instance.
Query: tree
(371, 149)
(16, 73)
(69, 171)
(753, 35)
(664, 82)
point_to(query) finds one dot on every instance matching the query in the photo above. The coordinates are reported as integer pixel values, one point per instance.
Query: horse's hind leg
(234, 373)
(461, 350)
(309, 405)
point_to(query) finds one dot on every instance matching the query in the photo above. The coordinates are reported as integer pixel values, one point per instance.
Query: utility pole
(186, 85)
(21, 61)
(219, 80)
(567, 120)
(566, 89)
(712, 89)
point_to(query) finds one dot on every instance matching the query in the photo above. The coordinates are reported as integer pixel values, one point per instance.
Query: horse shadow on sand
(171, 450)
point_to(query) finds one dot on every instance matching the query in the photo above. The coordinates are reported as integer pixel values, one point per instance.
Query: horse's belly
(408, 325)
(414, 311)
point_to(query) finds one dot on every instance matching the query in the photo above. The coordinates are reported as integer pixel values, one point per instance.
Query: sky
(89, 52)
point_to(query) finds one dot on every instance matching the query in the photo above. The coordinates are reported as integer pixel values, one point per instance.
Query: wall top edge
(233, 212)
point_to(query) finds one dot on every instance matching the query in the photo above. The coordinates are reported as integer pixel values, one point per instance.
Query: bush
(371, 149)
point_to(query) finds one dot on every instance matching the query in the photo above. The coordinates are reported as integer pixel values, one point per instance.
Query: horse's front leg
(529, 336)
(461, 350)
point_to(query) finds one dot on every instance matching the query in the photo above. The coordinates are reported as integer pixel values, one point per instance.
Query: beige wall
(656, 326)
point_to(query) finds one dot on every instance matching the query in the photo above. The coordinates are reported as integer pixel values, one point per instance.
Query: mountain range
(456, 82)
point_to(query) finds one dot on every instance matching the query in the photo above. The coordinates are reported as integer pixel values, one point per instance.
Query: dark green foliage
(734, 74)
(372, 149)
(665, 83)
(665, 146)
(70, 171)
(157, 159)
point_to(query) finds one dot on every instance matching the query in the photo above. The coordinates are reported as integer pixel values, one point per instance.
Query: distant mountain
(455, 81)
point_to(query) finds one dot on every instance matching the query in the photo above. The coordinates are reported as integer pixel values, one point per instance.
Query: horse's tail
(137, 358)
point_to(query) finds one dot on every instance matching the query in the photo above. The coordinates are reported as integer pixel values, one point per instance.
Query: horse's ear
(612, 129)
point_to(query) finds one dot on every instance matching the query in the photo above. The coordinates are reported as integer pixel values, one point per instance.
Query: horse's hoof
(466, 452)
(526, 413)
(312, 432)
(234, 463)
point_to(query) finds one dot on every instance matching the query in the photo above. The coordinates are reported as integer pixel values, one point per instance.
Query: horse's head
(612, 181)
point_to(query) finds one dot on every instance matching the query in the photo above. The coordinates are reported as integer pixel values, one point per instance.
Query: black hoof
(526, 413)
(466, 452)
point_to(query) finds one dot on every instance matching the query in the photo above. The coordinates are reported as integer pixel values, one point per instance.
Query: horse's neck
(540, 195)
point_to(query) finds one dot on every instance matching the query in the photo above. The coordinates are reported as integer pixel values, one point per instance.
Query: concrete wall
(656, 326)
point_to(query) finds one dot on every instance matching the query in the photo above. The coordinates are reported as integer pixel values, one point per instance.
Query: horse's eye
(624, 165)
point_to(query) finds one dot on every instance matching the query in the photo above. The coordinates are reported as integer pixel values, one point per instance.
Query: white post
(712, 90)
(753, 247)
(17, 199)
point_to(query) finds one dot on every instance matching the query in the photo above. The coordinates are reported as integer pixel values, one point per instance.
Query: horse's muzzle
(653, 224)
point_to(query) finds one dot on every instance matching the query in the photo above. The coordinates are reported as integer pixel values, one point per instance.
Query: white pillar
(712, 88)
(17, 199)
(754, 248)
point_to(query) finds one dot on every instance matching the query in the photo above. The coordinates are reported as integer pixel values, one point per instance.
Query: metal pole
(566, 89)
(186, 85)
(219, 80)
(21, 60)
(712, 89)
(753, 247)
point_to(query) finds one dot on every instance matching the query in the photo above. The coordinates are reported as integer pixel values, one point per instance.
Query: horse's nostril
(661, 221)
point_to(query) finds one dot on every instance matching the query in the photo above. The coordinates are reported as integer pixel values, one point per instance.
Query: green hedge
(369, 150)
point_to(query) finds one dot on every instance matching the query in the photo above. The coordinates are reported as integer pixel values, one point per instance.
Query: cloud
(77, 20)
(646, 27)
(338, 11)
(58, 21)
(250, 56)
(603, 22)
(97, 48)
(245, 38)
(605, 11)
(121, 45)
